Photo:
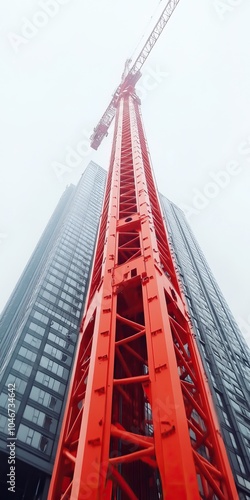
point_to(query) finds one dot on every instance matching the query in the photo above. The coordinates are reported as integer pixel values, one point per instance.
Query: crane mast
(139, 421)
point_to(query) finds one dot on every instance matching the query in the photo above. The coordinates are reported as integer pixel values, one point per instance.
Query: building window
(241, 466)
(64, 305)
(22, 367)
(36, 328)
(52, 288)
(226, 418)
(245, 429)
(4, 402)
(49, 296)
(3, 424)
(54, 367)
(41, 317)
(219, 399)
(45, 399)
(20, 385)
(27, 354)
(57, 353)
(50, 382)
(32, 340)
(40, 418)
(60, 328)
(34, 439)
(233, 440)
(57, 340)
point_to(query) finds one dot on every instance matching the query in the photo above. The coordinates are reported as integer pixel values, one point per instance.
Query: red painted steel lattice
(139, 421)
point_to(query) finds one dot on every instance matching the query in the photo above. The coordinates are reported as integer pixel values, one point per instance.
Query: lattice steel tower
(139, 421)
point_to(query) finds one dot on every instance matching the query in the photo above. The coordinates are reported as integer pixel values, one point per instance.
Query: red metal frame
(139, 421)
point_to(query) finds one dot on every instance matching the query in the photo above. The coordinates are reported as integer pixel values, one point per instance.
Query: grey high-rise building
(225, 354)
(39, 328)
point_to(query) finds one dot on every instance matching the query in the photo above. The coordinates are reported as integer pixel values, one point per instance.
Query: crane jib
(101, 130)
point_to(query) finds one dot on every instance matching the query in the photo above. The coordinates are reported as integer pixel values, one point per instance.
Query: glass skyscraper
(225, 354)
(39, 328)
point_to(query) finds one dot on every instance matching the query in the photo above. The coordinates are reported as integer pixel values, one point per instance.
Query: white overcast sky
(56, 82)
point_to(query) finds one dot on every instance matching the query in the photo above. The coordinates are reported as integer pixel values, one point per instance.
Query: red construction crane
(132, 75)
(139, 422)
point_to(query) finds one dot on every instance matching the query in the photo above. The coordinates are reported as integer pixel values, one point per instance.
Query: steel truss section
(139, 421)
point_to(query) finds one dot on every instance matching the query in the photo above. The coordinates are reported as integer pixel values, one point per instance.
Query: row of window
(73, 237)
(54, 367)
(66, 287)
(81, 257)
(63, 316)
(50, 349)
(76, 248)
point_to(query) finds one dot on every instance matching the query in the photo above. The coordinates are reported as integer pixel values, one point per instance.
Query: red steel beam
(139, 421)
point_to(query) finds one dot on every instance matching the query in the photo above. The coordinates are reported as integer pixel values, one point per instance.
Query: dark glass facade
(225, 354)
(39, 327)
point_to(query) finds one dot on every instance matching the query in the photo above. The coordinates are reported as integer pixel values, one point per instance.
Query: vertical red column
(139, 421)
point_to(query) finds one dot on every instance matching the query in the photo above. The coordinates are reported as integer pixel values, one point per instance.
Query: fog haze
(59, 70)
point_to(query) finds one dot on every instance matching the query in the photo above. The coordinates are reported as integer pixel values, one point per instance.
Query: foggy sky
(61, 61)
